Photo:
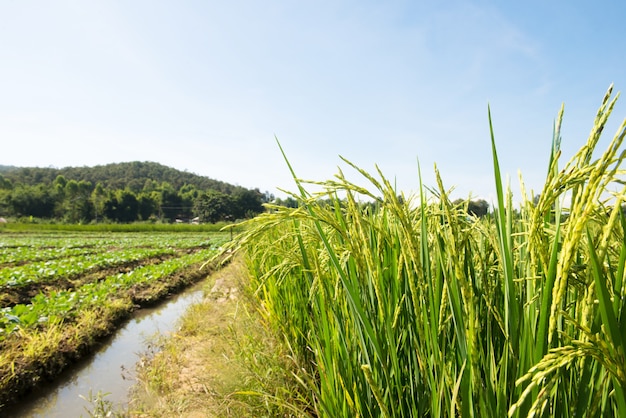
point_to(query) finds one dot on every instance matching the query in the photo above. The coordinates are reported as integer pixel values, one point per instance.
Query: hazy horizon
(207, 87)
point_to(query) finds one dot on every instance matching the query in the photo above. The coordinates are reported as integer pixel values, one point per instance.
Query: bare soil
(212, 366)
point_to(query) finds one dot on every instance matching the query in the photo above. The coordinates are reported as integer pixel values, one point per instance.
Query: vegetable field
(61, 292)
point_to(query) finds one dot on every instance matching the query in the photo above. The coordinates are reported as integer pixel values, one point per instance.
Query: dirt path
(212, 365)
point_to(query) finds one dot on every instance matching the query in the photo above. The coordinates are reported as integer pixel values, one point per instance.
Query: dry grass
(218, 362)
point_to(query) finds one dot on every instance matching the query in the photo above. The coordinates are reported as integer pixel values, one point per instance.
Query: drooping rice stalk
(405, 306)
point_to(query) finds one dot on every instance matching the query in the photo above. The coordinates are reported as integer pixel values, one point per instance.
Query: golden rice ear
(515, 313)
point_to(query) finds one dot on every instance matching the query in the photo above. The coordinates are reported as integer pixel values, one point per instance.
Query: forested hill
(130, 175)
(123, 192)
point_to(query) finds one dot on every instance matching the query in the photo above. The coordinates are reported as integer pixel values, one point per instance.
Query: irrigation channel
(111, 368)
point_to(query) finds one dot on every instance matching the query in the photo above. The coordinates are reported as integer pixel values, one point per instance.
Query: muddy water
(109, 370)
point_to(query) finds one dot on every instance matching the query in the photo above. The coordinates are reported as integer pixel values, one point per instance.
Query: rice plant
(405, 306)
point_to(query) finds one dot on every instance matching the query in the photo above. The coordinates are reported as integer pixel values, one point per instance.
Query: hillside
(122, 192)
(5, 168)
(131, 175)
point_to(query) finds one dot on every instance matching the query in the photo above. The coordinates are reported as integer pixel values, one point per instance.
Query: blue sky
(206, 86)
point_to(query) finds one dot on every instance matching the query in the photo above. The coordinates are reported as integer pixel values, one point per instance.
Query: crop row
(45, 271)
(25, 254)
(65, 305)
(45, 251)
(20, 242)
(12, 241)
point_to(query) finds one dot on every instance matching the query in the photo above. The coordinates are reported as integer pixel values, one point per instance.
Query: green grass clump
(407, 307)
(112, 227)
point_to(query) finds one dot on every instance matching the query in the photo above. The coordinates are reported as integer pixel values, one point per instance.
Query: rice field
(60, 292)
(406, 306)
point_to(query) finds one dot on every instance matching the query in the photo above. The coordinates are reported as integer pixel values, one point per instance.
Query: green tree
(59, 182)
(214, 206)
(150, 186)
(148, 205)
(288, 202)
(122, 206)
(248, 203)
(98, 197)
(5, 183)
(478, 208)
(74, 200)
(188, 195)
(171, 204)
(35, 201)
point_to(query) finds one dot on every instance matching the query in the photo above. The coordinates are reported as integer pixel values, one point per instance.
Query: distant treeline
(123, 192)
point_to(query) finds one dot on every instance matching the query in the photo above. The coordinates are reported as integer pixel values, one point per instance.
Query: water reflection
(110, 369)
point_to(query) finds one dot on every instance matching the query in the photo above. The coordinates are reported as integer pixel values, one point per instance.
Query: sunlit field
(61, 292)
(406, 306)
